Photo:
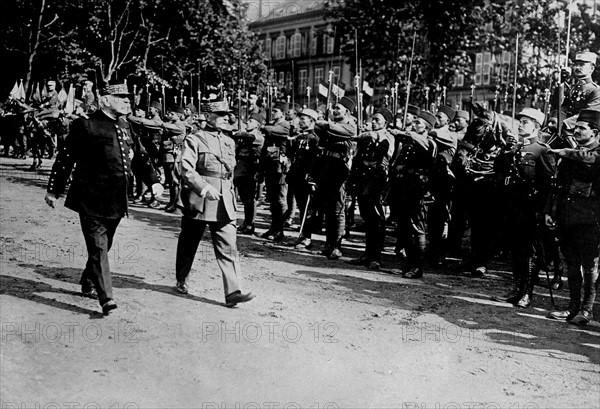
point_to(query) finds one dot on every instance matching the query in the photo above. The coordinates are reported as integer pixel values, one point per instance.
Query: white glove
(51, 200)
(211, 192)
(157, 189)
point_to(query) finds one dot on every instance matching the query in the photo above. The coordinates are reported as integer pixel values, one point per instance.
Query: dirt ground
(320, 333)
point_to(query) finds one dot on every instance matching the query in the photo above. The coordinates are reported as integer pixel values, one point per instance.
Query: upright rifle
(329, 90)
(412, 55)
(514, 102)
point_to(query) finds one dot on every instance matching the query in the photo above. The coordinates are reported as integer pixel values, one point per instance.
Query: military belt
(212, 174)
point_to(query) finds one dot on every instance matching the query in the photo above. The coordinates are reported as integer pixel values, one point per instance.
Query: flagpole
(514, 102)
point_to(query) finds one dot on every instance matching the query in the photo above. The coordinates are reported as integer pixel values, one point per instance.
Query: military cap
(322, 108)
(201, 117)
(297, 108)
(177, 109)
(281, 105)
(414, 110)
(191, 107)
(115, 89)
(51, 82)
(446, 110)
(310, 113)
(462, 114)
(586, 56)
(535, 114)
(347, 103)
(591, 116)
(257, 117)
(215, 106)
(156, 105)
(386, 114)
(428, 117)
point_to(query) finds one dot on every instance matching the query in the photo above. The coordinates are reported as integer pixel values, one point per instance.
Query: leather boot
(513, 295)
(530, 279)
(557, 282)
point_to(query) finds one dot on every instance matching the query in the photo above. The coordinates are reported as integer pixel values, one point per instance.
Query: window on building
(280, 78)
(302, 81)
(328, 43)
(268, 51)
(296, 43)
(459, 79)
(506, 60)
(336, 73)
(280, 48)
(288, 79)
(313, 42)
(319, 76)
(483, 68)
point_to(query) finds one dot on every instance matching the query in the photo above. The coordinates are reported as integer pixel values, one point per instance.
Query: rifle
(330, 88)
(412, 55)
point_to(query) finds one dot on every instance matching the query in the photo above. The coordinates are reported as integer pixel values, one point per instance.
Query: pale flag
(323, 90)
(15, 91)
(367, 89)
(62, 96)
(337, 91)
(22, 95)
(70, 106)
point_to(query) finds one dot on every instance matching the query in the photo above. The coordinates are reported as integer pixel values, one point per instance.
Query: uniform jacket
(208, 157)
(248, 148)
(576, 196)
(103, 152)
(276, 136)
(304, 150)
(581, 95)
(337, 137)
(526, 174)
(173, 135)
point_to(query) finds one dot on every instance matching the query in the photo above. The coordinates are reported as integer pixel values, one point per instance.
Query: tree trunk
(34, 40)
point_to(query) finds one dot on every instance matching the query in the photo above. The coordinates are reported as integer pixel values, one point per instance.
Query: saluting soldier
(524, 172)
(442, 184)
(275, 165)
(304, 151)
(336, 137)
(248, 150)
(101, 149)
(410, 175)
(583, 92)
(173, 135)
(368, 178)
(574, 212)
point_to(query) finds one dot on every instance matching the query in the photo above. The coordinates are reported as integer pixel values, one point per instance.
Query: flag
(37, 96)
(15, 91)
(62, 96)
(367, 89)
(337, 91)
(70, 106)
(323, 90)
(22, 95)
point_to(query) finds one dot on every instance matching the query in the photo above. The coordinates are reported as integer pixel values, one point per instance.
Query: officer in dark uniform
(336, 137)
(524, 172)
(275, 165)
(104, 150)
(368, 178)
(410, 175)
(575, 213)
(304, 149)
(248, 148)
(583, 92)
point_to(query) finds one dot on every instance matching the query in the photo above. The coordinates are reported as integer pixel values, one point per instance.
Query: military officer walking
(101, 148)
(207, 199)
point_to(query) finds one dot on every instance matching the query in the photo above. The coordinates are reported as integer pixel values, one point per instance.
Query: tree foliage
(450, 32)
(172, 43)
